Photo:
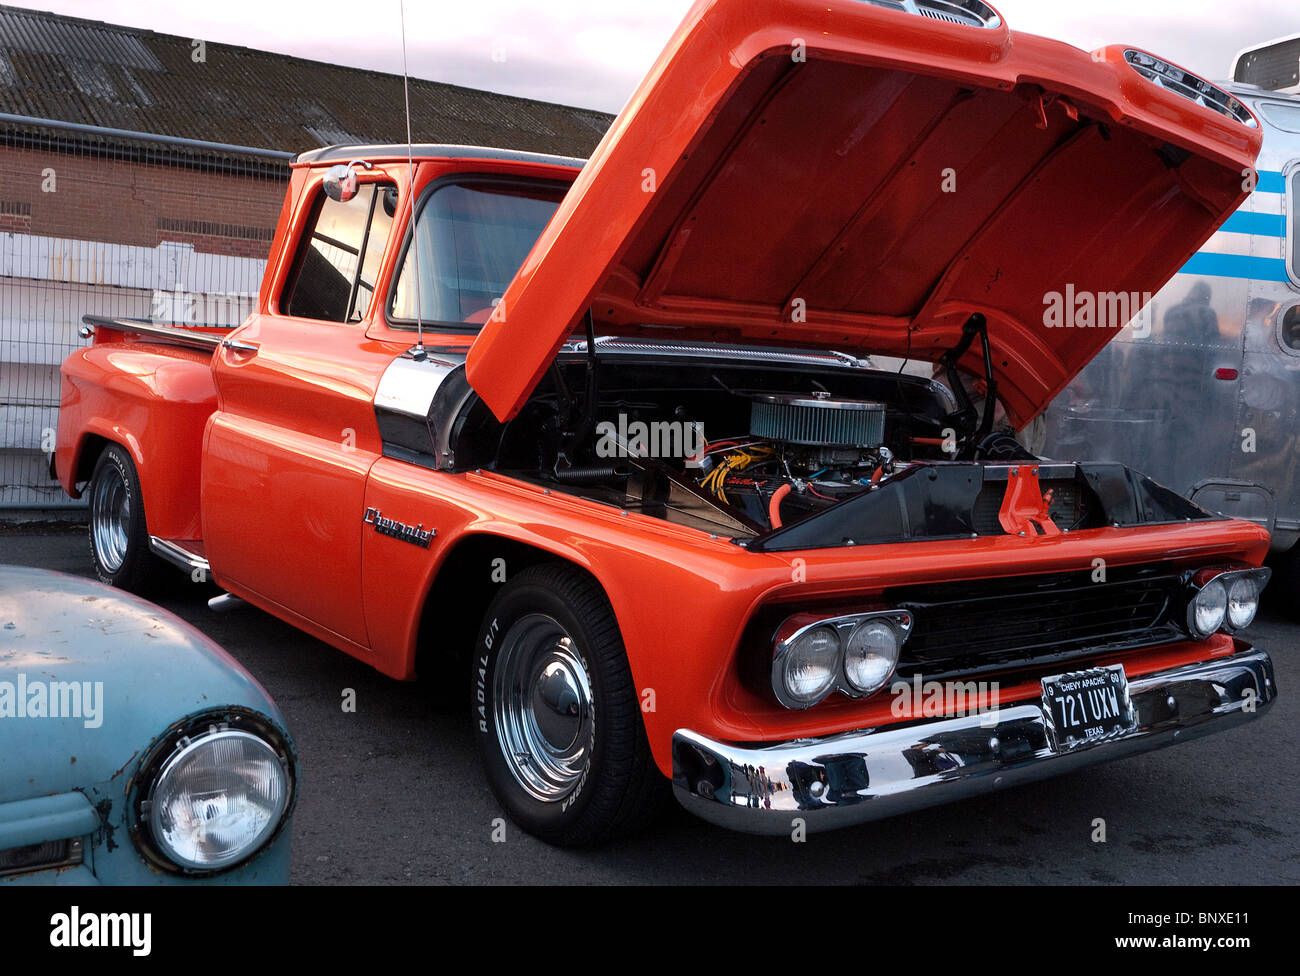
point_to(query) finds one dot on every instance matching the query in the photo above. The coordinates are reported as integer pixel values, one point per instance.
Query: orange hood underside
(839, 175)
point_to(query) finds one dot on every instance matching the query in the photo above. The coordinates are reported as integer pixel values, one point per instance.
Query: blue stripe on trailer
(1236, 266)
(1270, 182)
(1258, 224)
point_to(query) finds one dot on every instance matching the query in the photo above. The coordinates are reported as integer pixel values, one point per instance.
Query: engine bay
(775, 449)
(742, 446)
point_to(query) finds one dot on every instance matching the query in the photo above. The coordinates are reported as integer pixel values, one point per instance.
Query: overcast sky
(593, 52)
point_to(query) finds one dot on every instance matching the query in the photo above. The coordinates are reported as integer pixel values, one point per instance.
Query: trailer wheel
(119, 539)
(557, 715)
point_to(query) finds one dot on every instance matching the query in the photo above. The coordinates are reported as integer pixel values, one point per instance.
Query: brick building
(137, 181)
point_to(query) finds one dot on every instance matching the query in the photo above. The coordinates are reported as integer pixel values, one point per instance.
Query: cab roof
(422, 151)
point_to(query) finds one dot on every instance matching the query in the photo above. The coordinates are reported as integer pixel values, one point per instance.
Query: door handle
(234, 345)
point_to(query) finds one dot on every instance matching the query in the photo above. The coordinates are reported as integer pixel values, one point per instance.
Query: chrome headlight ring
(1221, 599)
(854, 654)
(214, 751)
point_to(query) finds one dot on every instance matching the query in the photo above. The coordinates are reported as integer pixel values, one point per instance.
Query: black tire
(119, 538)
(617, 789)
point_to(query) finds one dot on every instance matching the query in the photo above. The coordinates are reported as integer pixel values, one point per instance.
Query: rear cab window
(334, 271)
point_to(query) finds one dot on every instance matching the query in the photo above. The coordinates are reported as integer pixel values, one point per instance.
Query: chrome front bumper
(855, 777)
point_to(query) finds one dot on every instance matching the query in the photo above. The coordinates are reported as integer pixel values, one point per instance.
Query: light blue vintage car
(133, 750)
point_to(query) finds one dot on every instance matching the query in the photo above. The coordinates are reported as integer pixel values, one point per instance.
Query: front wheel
(119, 539)
(559, 722)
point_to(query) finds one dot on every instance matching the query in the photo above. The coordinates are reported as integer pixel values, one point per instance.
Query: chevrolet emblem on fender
(415, 534)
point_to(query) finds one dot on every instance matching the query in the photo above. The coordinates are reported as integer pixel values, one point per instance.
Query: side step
(192, 561)
(176, 553)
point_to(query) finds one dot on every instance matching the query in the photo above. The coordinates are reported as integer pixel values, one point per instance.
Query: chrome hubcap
(542, 708)
(110, 514)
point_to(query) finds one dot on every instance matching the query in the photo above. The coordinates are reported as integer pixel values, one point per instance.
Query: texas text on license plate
(1087, 707)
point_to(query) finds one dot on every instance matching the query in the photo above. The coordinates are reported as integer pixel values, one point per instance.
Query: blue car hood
(109, 671)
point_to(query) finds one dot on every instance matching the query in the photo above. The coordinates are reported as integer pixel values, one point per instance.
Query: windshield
(471, 238)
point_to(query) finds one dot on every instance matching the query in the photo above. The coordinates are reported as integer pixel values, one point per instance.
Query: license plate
(1087, 707)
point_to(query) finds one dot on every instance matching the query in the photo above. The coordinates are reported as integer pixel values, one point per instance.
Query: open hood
(864, 176)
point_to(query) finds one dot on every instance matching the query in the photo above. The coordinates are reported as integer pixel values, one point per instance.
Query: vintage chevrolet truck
(629, 451)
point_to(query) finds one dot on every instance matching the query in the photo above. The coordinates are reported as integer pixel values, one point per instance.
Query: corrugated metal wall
(88, 229)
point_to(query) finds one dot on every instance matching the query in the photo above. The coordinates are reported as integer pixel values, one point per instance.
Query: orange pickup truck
(629, 450)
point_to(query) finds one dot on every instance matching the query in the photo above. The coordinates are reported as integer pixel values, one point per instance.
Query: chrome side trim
(409, 385)
(416, 405)
(178, 557)
(181, 337)
(855, 777)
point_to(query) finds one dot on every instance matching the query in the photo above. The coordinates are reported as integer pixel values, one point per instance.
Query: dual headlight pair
(855, 654)
(1224, 600)
(214, 792)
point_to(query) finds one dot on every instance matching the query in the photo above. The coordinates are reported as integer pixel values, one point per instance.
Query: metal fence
(116, 224)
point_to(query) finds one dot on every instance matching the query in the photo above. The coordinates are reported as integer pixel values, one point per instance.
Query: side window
(333, 276)
(471, 238)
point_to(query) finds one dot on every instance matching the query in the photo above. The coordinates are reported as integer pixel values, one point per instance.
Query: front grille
(45, 856)
(1025, 622)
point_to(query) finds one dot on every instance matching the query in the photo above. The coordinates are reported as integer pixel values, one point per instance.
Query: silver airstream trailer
(1202, 390)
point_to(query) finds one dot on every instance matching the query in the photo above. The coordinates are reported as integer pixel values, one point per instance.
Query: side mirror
(341, 181)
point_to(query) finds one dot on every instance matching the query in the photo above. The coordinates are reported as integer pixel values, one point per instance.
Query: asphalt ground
(392, 794)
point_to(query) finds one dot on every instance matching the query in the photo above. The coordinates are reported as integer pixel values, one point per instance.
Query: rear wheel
(559, 721)
(119, 539)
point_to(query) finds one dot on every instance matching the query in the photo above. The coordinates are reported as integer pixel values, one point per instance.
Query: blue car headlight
(213, 793)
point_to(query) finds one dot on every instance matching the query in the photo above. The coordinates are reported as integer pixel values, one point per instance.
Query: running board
(180, 557)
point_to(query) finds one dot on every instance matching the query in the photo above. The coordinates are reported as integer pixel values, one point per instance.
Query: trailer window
(1293, 215)
(333, 277)
(1281, 114)
(471, 239)
(1291, 328)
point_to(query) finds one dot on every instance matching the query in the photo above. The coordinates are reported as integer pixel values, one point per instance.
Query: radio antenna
(418, 352)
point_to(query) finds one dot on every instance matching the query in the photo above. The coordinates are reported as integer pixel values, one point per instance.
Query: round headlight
(1243, 601)
(870, 655)
(1209, 608)
(812, 665)
(217, 799)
